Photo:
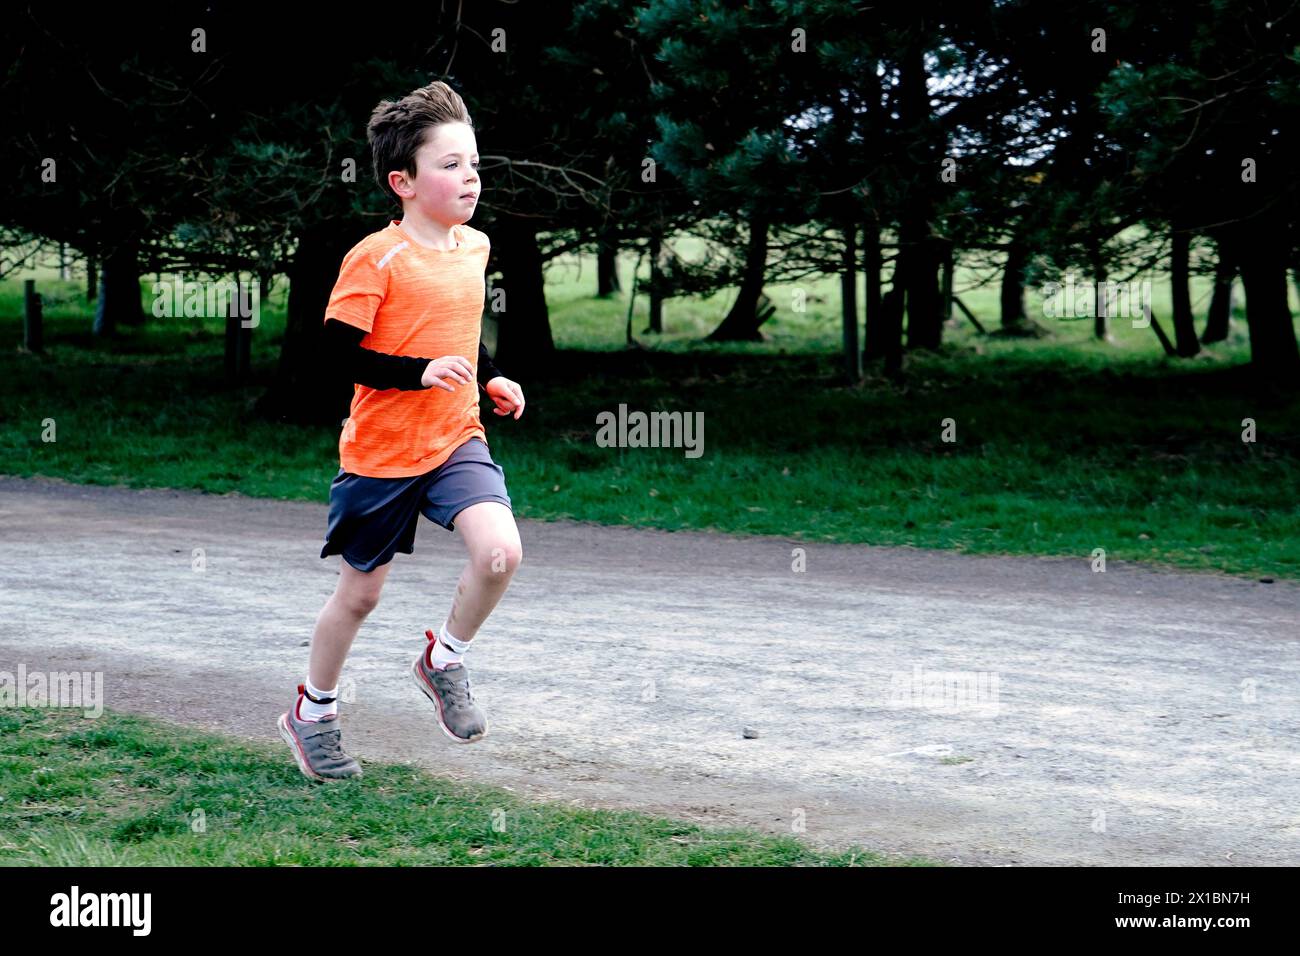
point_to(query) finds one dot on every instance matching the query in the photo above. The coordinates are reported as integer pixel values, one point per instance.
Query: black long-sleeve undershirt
(381, 370)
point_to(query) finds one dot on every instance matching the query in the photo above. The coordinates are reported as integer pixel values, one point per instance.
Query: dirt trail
(1138, 716)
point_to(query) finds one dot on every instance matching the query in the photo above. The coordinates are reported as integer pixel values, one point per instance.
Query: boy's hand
(509, 397)
(453, 368)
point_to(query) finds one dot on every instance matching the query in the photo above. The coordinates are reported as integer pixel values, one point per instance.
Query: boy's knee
(359, 603)
(503, 558)
(363, 604)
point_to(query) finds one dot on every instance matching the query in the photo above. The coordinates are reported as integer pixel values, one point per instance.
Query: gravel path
(1132, 717)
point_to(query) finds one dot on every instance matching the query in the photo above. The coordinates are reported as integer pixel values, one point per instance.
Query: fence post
(948, 265)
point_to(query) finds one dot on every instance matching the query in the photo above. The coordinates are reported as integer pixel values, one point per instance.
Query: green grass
(1064, 445)
(127, 791)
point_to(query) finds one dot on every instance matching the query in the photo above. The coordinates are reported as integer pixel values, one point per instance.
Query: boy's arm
(382, 370)
(347, 357)
(486, 370)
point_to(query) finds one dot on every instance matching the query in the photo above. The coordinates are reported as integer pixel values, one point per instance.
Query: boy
(413, 443)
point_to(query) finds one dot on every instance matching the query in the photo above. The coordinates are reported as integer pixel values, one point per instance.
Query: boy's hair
(397, 128)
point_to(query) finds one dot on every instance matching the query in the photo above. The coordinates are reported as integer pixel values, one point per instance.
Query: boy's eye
(451, 164)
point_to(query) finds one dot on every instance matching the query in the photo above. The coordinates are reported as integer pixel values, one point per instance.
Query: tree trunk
(1219, 318)
(742, 322)
(1101, 297)
(871, 264)
(919, 265)
(919, 253)
(300, 392)
(118, 302)
(849, 303)
(891, 310)
(1263, 256)
(1012, 298)
(947, 269)
(1185, 342)
(33, 318)
(607, 283)
(92, 279)
(524, 342)
(239, 337)
(655, 287)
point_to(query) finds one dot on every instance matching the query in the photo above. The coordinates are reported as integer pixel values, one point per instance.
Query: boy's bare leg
(353, 599)
(492, 540)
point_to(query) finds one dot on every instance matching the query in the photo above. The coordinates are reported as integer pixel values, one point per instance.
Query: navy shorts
(371, 519)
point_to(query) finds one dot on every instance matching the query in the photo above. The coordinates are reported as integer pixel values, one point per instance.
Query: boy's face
(446, 176)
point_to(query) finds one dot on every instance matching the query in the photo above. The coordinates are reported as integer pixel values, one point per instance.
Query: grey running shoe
(315, 745)
(459, 717)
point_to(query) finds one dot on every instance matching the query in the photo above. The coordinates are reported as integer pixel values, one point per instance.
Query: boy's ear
(398, 182)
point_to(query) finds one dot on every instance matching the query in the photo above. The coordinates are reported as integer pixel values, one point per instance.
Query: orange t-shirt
(411, 300)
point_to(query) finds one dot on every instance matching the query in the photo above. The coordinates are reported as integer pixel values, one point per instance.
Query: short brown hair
(397, 128)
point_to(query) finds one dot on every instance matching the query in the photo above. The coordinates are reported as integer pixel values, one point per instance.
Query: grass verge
(122, 790)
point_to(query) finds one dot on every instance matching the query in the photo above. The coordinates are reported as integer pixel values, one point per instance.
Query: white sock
(310, 711)
(447, 649)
